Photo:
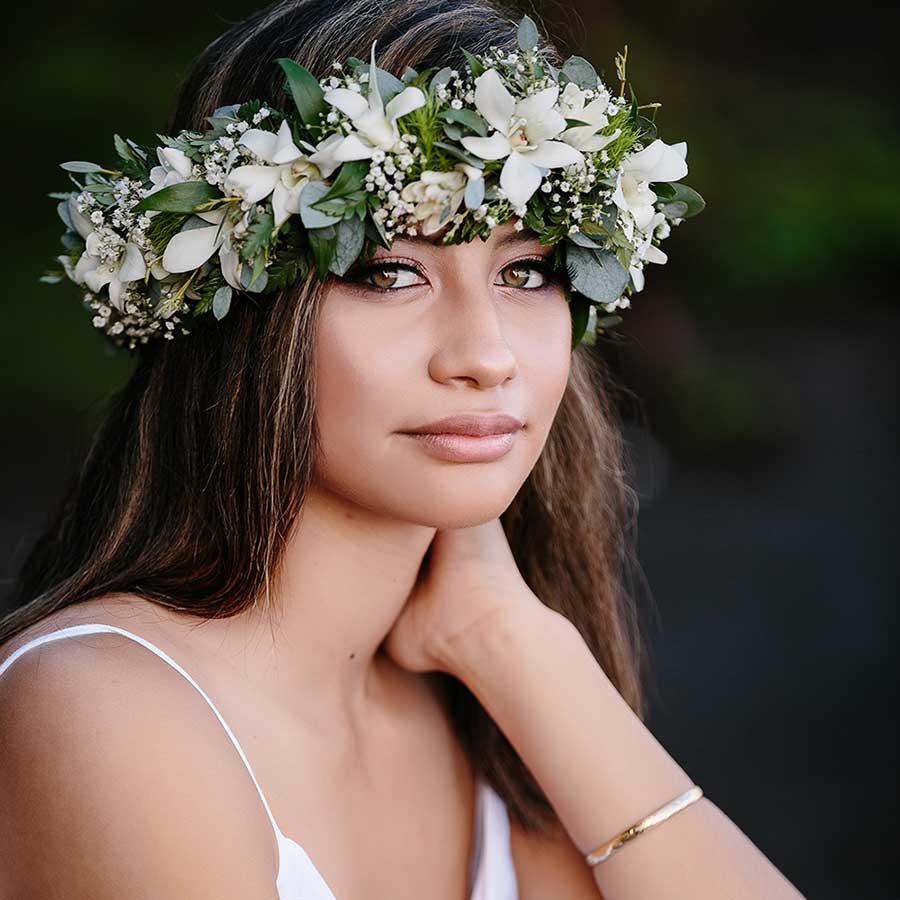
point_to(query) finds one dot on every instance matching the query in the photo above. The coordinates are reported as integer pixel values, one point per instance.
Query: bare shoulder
(117, 780)
(550, 866)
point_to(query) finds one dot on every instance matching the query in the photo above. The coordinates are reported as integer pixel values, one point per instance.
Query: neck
(345, 577)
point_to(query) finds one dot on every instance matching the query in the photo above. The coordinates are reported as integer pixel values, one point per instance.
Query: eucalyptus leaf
(62, 209)
(351, 234)
(409, 73)
(253, 281)
(312, 192)
(580, 238)
(80, 166)
(322, 242)
(440, 77)
(52, 277)
(72, 242)
(388, 85)
(453, 131)
(685, 202)
(182, 197)
(474, 195)
(664, 190)
(228, 110)
(305, 89)
(527, 34)
(467, 117)
(580, 71)
(598, 275)
(222, 302)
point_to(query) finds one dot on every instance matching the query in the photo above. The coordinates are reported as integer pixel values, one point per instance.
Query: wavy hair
(189, 505)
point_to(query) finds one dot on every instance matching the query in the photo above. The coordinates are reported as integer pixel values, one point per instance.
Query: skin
(338, 682)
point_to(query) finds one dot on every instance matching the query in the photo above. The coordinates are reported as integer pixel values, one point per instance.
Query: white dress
(491, 873)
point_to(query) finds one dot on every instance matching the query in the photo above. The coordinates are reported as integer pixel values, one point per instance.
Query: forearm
(602, 769)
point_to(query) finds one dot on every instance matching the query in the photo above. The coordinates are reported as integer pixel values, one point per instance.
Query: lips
(471, 424)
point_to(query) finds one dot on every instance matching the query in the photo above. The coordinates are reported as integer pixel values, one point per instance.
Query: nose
(471, 342)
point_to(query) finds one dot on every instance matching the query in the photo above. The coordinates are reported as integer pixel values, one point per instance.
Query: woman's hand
(468, 577)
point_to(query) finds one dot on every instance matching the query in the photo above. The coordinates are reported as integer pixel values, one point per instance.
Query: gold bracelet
(604, 851)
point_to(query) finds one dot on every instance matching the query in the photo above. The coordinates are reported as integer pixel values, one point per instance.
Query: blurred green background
(761, 360)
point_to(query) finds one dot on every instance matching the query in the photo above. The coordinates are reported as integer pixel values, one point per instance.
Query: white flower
(115, 265)
(645, 251)
(437, 195)
(174, 167)
(188, 250)
(523, 136)
(288, 169)
(585, 137)
(375, 122)
(658, 162)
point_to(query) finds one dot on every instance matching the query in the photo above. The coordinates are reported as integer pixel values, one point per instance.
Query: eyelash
(540, 263)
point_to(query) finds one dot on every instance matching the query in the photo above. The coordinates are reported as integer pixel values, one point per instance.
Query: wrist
(505, 630)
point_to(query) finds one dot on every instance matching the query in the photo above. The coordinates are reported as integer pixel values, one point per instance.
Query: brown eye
(385, 276)
(520, 273)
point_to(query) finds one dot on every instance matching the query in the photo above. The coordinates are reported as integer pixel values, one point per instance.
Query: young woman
(336, 607)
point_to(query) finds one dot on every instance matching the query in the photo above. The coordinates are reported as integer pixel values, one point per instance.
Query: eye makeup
(354, 279)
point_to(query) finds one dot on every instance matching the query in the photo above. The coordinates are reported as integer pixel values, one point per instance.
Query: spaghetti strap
(94, 627)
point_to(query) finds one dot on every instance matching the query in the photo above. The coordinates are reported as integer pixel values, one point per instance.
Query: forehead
(501, 237)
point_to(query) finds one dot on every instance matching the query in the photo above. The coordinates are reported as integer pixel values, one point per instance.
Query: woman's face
(424, 331)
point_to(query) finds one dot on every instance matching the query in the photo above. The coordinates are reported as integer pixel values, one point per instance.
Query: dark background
(762, 358)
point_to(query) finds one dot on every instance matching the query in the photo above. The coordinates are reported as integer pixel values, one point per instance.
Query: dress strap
(93, 627)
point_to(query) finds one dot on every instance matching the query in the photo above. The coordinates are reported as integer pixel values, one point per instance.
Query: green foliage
(183, 197)
(305, 89)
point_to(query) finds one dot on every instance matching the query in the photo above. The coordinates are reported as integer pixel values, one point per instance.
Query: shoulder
(550, 866)
(117, 776)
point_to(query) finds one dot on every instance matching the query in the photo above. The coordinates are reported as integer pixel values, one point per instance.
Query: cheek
(357, 391)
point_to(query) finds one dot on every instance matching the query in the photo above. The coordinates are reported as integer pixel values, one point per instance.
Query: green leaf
(409, 73)
(323, 242)
(222, 301)
(389, 85)
(453, 131)
(350, 237)
(440, 77)
(580, 238)
(467, 117)
(259, 236)
(255, 279)
(598, 275)
(474, 195)
(459, 153)
(648, 128)
(664, 190)
(183, 197)
(312, 192)
(527, 34)
(580, 71)
(351, 178)
(475, 65)
(305, 89)
(80, 166)
(685, 202)
(133, 159)
(580, 310)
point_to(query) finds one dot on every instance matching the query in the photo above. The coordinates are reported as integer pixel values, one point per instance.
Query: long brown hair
(191, 484)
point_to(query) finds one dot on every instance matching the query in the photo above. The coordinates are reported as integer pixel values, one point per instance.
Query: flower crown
(255, 201)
